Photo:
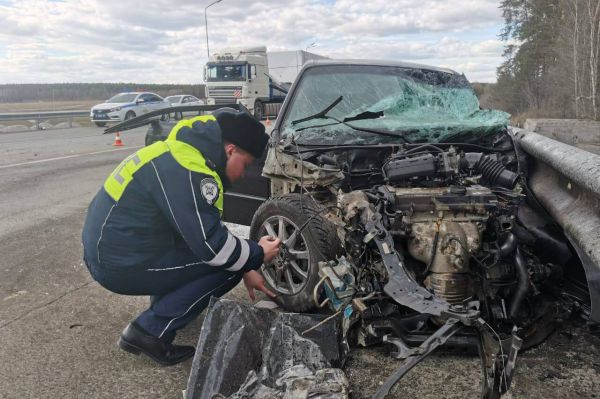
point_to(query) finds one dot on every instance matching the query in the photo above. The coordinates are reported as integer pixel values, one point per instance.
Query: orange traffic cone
(268, 123)
(118, 142)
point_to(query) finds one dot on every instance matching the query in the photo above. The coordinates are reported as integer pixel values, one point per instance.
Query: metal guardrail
(147, 118)
(39, 116)
(566, 181)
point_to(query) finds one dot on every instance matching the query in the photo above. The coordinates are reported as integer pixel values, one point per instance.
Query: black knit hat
(241, 129)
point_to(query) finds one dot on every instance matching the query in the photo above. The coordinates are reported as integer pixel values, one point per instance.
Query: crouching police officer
(155, 229)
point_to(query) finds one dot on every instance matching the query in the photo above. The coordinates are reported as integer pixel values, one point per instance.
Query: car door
(144, 105)
(244, 197)
(194, 101)
(186, 100)
(157, 102)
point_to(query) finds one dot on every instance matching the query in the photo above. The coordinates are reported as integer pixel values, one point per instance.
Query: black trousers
(179, 284)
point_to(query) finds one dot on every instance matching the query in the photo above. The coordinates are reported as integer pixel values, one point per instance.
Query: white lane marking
(69, 156)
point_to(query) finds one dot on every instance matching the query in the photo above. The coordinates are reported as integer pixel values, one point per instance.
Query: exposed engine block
(445, 227)
(441, 227)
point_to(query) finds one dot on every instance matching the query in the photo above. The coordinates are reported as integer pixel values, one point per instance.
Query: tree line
(552, 59)
(15, 93)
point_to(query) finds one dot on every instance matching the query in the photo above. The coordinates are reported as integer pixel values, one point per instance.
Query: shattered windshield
(419, 104)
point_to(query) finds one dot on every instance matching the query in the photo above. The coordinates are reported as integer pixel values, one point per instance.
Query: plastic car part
(238, 341)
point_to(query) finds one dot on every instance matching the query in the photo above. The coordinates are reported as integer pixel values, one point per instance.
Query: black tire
(178, 116)
(258, 110)
(158, 132)
(150, 139)
(165, 117)
(100, 124)
(319, 238)
(129, 115)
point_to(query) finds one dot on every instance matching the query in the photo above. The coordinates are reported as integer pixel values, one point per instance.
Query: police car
(125, 106)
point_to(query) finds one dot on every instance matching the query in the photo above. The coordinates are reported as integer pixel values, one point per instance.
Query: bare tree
(593, 8)
(583, 30)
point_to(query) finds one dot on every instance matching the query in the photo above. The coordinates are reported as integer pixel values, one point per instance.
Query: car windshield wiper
(322, 114)
(361, 129)
(364, 115)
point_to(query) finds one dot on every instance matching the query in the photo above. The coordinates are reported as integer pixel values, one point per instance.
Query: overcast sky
(50, 41)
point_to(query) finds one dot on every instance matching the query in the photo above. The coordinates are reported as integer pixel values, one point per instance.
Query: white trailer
(253, 77)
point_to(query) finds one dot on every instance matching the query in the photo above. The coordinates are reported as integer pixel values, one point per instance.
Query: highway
(59, 329)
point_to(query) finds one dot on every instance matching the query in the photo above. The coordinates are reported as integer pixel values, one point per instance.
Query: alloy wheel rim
(288, 272)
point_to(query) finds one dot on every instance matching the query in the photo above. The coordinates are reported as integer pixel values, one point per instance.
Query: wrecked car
(404, 208)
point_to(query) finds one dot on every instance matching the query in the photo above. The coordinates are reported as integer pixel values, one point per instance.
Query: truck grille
(224, 95)
(224, 101)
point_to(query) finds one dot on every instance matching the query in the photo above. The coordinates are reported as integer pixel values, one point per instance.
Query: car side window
(186, 99)
(153, 98)
(145, 98)
(193, 99)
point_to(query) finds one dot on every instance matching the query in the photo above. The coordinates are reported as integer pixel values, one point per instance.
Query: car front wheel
(307, 238)
(100, 124)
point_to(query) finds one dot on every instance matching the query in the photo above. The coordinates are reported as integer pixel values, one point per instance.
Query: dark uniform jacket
(165, 194)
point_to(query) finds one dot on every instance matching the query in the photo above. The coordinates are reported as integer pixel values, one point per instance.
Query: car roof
(327, 62)
(136, 92)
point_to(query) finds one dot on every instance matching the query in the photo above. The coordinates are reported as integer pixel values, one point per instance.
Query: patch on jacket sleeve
(209, 190)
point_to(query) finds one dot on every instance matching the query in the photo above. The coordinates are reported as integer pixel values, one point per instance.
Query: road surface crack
(44, 305)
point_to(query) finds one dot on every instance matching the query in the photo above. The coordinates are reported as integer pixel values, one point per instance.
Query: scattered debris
(252, 353)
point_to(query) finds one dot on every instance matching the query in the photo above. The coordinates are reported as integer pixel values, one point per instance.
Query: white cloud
(164, 41)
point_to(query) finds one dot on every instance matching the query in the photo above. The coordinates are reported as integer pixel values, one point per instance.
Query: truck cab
(241, 76)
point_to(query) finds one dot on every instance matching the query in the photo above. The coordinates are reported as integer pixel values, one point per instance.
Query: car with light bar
(125, 106)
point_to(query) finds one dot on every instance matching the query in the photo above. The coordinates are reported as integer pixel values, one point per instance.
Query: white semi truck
(253, 77)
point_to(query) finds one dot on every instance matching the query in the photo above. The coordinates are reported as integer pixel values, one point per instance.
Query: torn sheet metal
(245, 349)
(281, 165)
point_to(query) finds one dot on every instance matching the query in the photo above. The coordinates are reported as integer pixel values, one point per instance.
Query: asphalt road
(58, 328)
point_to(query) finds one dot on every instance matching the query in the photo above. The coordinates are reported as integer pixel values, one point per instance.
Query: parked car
(183, 100)
(408, 211)
(125, 106)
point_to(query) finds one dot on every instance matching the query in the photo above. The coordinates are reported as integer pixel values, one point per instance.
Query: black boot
(135, 340)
